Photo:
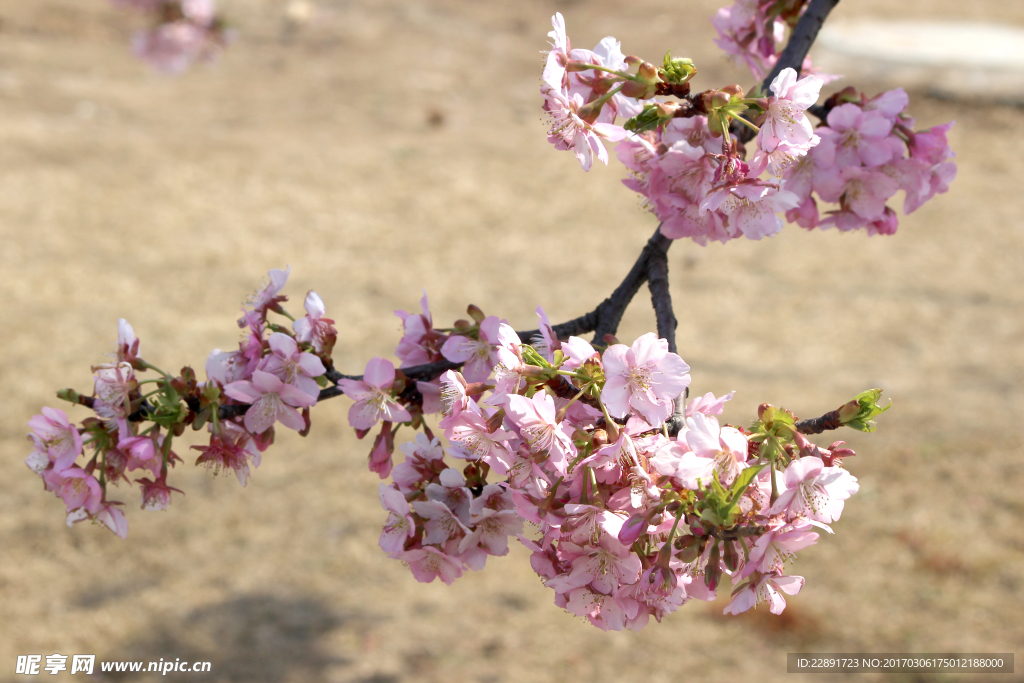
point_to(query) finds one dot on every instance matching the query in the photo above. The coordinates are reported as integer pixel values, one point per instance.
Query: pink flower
(490, 530)
(56, 439)
(267, 297)
(860, 136)
(644, 377)
(714, 450)
(272, 401)
(77, 488)
(372, 396)
(605, 567)
(577, 351)
(471, 439)
(707, 404)
(861, 190)
(570, 131)
(424, 458)
(813, 491)
(765, 589)
(536, 421)
(554, 64)
(428, 563)
(227, 454)
(454, 397)
(786, 133)
(546, 343)
(113, 518)
(113, 383)
(380, 454)
(751, 207)
(420, 343)
(225, 367)
(127, 343)
(313, 328)
(399, 525)
(479, 355)
(293, 367)
(510, 368)
(156, 495)
(776, 548)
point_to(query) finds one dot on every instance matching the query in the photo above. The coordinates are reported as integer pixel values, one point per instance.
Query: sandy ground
(384, 147)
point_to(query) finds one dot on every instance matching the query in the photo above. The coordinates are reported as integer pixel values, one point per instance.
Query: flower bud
(677, 70)
(632, 530)
(599, 439)
(476, 314)
(732, 556)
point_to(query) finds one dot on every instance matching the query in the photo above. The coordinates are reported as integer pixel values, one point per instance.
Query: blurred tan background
(382, 147)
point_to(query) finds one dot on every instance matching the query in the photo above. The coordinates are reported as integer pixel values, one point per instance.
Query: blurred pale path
(125, 194)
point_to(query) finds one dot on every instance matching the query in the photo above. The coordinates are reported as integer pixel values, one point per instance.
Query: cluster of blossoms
(631, 519)
(275, 373)
(180, 33)
(692, 168)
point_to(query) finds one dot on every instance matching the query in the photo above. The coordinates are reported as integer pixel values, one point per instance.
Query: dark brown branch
(817, 425)
(664, 314)
(606, 317)
(804, 35)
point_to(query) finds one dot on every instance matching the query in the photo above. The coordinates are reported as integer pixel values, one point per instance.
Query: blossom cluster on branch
(632, 520)
(700, 179)
(180, 32)
(631, 500)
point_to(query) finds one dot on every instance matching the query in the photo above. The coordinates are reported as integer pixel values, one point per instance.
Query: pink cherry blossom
(420, 342)
(786, 133)
(423, 458)
(708, 404)
(577, 351)
(644, 377)
(429, 563)
(55, 438)
(313, 328)
(569, 131)
(77, 488)
(156, 495)
(777, 548)
(127, 343)
(554, 64)
(536, 421)
(471, 439)
(442, 523)
(380, 454)
(225, 453)
(272, 401)
(491, 529)
(751, 207)
(113, 383)
(479, 355)
(267, 297)
(765, 589)
(399, 526)
(372, 396)
(225, 367)
(859, 136)
(291, 366)
(814, 492)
